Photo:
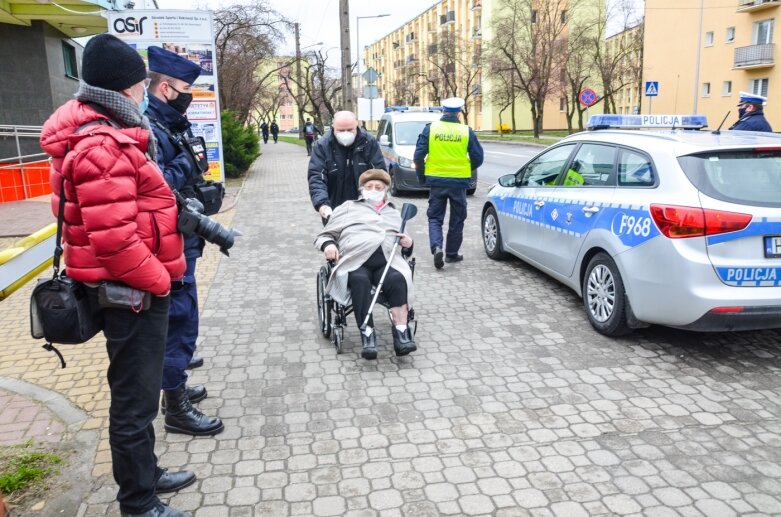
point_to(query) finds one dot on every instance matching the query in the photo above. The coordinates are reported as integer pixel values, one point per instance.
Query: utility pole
(299, 103)
(347, 67)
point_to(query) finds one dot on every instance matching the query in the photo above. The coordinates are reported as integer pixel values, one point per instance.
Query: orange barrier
(23, 181)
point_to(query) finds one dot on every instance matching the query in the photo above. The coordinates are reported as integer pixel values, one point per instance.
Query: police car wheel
(604, 297)
(492, 235)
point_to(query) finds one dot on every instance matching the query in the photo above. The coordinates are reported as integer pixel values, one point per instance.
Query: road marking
(508, 154)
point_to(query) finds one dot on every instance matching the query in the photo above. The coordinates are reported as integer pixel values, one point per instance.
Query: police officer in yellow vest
(445, 155)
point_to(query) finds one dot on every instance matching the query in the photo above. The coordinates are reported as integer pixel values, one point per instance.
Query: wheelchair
(332, 316)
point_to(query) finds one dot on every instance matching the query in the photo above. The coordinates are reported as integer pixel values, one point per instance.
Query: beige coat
(359, 230)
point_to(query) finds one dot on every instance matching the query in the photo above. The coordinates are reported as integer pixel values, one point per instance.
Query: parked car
(292, 130)
(673, 227)
(397, 134)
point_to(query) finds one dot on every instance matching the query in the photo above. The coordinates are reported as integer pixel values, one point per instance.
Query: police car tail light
(681, 222)
(727, 310)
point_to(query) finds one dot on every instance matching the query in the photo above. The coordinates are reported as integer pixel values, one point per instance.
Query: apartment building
(410, 62)
(704, 71)
(627, 46)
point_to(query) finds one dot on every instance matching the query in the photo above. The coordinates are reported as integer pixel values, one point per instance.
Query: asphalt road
(503, 159)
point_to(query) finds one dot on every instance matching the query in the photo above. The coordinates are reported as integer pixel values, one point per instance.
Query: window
(763, 32)
(635, 170)
(534, 16)
(544, 170)
(726, 89)
(709, 39)
(592, 166)
(730, 37)
(564, 16)
(69, 58)
(562, 104)
(758, 86)
(706, 89)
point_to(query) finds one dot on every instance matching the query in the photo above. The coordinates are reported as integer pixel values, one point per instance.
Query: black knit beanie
(111, 64)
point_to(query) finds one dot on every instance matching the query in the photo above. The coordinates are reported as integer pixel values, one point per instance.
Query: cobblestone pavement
(512, 405)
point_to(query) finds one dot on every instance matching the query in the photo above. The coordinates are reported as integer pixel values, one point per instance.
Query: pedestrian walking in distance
(446, 153)
(275, 131)
(310, 132)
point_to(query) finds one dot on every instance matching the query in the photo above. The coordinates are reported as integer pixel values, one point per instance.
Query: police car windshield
(750, 177)
(407, 132)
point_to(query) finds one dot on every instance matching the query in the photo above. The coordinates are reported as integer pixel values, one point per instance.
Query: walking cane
(408, 211)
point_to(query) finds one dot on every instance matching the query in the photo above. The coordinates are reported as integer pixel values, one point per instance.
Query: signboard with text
(189, 34)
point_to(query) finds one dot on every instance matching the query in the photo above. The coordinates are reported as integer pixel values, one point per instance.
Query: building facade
(704, 72)
(627, 47)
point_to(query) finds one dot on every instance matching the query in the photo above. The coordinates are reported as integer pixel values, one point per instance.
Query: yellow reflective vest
(447, 150)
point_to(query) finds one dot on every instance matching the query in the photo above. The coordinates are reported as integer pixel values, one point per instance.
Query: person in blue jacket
(751, 116)
(182, 159)
(446, 153)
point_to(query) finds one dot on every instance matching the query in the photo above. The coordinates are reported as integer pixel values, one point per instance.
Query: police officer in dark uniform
(751, 115)
(182, 158)
(446, 153)
(275, 131)
(264, 131)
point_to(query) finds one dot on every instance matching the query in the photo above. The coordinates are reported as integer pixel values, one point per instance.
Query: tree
(320, 87)
(453, 69)
(531, 46)
(503, 92)
(577, 68)
(246, 38)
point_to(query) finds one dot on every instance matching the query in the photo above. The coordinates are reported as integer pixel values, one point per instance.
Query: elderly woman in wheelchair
(359, 238)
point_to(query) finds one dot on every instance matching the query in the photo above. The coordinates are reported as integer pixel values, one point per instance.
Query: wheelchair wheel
(338, 339)
(324, 305)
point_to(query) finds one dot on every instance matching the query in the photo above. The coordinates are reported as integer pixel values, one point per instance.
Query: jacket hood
(57, 132)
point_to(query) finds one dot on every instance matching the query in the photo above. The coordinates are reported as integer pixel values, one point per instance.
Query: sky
(319, 19)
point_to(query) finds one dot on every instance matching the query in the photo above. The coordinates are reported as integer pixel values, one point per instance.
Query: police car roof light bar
(596, 122)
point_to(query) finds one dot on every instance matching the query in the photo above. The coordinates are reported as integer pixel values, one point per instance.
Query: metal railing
(754, 55)
(754, 3)
(19, 161)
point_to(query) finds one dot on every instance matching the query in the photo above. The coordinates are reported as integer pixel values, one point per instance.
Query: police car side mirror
(508, 180)
(384, 140)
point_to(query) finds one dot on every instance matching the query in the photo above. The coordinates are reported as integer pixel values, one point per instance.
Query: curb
(82, 444)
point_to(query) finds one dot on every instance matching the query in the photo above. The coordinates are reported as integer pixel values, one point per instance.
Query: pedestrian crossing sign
(651, 88)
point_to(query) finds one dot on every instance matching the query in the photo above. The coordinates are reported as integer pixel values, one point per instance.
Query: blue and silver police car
(678, 227)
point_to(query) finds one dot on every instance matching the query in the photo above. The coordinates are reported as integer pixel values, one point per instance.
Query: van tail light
(680, 222)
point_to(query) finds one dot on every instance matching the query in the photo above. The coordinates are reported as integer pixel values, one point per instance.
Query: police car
(677, 227)
(397, 135)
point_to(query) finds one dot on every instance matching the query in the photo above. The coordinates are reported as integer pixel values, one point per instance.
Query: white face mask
(346, 138)
(374, 196)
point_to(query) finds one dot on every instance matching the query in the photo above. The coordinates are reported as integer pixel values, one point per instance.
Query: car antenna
(718, 129)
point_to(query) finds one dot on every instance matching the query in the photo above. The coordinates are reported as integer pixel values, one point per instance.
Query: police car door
(536, 183)
(740, 190)
(585, 190)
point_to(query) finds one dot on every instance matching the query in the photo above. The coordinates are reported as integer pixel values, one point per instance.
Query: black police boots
(369, 345)
(195, 362)
(438, 258)
(181, 417)
(194, 393)
(403, 343)
(160, 510)
(174, 481)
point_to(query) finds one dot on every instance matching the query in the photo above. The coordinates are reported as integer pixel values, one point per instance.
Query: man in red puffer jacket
(120, 225)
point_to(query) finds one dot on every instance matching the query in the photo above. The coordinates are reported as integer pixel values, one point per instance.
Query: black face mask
(181, 102)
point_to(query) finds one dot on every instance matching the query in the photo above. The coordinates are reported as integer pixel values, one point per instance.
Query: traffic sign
(651, 88)
(588, 97)
(370, 75)
(371, 92)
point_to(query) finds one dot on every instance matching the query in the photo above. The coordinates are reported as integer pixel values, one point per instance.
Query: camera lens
(215, 233)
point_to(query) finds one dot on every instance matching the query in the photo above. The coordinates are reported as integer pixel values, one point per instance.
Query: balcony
(447, 19)
(477, 5)
(748, 6)
(754, 56)
(432, 49)
(411, 59)
(410, 38)
(477, 33)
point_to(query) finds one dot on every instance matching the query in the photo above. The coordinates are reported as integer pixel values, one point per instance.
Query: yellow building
(275, 102)
(703, 72)
(413, 72)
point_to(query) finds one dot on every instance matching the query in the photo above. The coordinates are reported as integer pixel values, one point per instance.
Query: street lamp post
(358, 48)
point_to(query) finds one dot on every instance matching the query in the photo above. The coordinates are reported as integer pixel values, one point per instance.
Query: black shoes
(174, 481)
(195, 362)
(454, 258)
(194, 393)
(181, 417)
(369, 345)
(438, 262)
(403, 343)
(160, 510)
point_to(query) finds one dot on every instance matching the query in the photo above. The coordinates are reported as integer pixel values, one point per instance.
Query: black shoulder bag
(59, 308)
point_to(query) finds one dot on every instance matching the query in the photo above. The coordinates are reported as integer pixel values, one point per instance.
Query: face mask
(144, 102)
(374, 196)
(741, 112)
(346, 138)
(181, 102)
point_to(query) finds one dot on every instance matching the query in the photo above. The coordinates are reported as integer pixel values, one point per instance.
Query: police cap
(750, 98)
(453, 104)
(173, 65)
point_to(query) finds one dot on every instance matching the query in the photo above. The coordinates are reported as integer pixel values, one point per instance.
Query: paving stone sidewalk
(512, 406)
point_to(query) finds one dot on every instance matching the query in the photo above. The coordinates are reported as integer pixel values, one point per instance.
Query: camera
(191, 221)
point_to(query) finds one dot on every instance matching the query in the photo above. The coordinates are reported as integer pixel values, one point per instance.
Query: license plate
(773, 246)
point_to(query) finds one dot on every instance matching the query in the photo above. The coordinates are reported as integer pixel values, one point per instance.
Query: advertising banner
(191, 35)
